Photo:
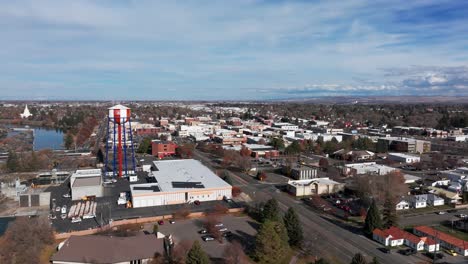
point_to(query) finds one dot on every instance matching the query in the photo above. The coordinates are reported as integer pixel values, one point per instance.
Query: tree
(261, 176)
(294, 228)
(145, 146)
(373, 219)
(185, 151)
(155, 228)
(245, 152)
(270, 211)
(236, 191)
(270, 243)
(321, 261)
(294, 148)
(375, 261)
(12, 163)
(68, 140)
(390, 217)
(323, 163)
(25, 239)
(33, 162)
(382, 146)
(277, 143)
(196, 255)
(358, 259)
(210, 226)
(244, 163)
(226, 177)
(234, 254)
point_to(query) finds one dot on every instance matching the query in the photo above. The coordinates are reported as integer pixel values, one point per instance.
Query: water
(47, 139)
(4, 224)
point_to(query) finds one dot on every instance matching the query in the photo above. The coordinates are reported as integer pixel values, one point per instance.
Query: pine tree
(373, 219)
(294, 228)
(271, 243)
(270, 211)
(68, 140)
(12, 163)
(196, 255)
(358, 259)
(390, 217)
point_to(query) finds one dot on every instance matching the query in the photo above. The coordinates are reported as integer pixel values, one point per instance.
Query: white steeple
(26, 113)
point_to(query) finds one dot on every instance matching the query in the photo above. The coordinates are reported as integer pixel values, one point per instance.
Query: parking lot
(243, 228)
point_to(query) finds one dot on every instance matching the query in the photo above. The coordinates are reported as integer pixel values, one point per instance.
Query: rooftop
(104, 249)
(87, 181)
(314, 180)
(176, 175)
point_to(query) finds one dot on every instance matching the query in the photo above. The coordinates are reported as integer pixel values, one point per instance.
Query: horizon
(232, 51)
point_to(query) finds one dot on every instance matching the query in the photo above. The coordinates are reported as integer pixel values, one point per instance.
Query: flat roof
(105, 249)
(185, 174)
(402, 155)
(314, 180)
(87, 181)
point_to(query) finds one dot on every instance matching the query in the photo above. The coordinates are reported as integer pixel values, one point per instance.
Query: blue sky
(172, 50)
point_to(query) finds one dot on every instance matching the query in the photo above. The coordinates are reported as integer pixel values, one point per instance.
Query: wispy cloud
(243, 49)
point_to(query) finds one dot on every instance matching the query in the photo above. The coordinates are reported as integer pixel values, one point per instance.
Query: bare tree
(234, 254)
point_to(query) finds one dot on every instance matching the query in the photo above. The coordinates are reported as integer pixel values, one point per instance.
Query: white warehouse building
(85, 183)
(178, 182)
(404, 158)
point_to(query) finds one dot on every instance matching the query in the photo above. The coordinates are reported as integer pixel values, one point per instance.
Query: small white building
(85, 183)
(402, 205)
(418, 201)
(316, 186)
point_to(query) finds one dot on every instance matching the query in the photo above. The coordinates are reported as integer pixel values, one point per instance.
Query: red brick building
(163, 149)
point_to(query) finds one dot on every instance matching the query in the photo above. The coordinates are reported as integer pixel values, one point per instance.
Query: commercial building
(400, 144)
(285, 126)
(84, 183)
(163, 149)
(108, 249)
(404, 158)
(367, 168)
(178, 182)
(303, 172)
(317, 186)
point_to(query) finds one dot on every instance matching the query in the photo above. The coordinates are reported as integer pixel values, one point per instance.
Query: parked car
(451, 252)
(385, 250)
(441, 213)
(51, 216)
(58, 208)
(64, 209)
(67, 195)
(223, 229)
(203, 231)
(76, 219)
(219, 224)
(407, 251)
(227, 234)
(435, 256)
(207, 238)
(161, 222)
(171, 222)
(197, 202)
(462, 215)
(63, 216)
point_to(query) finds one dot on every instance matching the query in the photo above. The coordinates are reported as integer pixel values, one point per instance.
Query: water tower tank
(119, 114)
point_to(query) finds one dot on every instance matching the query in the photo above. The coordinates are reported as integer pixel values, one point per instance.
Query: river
(4, 223)
(47, 139)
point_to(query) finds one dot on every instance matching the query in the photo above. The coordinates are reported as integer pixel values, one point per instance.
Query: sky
(231, 50)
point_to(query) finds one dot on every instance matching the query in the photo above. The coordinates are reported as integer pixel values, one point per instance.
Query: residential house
(447, 241)
(394, 236)
(403, 205)
(418, 201)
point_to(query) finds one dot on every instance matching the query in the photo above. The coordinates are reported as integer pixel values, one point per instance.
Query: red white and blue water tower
(119, 136)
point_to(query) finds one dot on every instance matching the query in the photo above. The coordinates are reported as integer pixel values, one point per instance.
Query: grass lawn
(454, 232)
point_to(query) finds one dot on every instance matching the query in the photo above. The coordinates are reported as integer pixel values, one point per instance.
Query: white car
(441, 212)
(76, 219)
(67, 195)
(57, 209)
(219, 224)
(224, 229)
(63, 216)
(462, 215)
(64, 209)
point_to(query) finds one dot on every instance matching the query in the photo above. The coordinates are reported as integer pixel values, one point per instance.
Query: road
(430, 218)
(322, 237)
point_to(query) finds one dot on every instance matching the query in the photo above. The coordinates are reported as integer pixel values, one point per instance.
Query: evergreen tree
(358, 259)
(12, 163)
(226, 177)
(270, 211)
(196, 255)
(373, 219)
(271, 246)
(390, 217)
(68, 140)
(145, 146)
(294, 148)
(375, 261)
(381, 146)
(277, 143)
(294, 228)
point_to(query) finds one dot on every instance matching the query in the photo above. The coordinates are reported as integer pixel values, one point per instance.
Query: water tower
(118, 141)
